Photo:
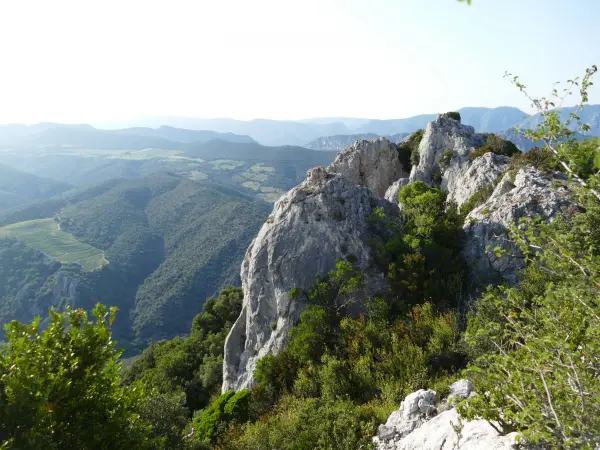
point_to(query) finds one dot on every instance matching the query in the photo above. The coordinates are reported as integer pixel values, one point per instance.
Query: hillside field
(44, 235)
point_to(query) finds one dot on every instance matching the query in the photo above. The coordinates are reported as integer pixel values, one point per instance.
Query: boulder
(372, 164)
(318, 222)
(416, 408)
(531, 194)
(415, 426)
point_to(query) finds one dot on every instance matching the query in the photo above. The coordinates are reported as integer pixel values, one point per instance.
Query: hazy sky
(94, 61)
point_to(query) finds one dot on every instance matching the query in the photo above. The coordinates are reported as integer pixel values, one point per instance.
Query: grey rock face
(415, 410)
(319, 221)
(475, 176)
(461, 389)
(373, 164)
(391, 195)
(445, 136)
(416, 427)
(531, 195)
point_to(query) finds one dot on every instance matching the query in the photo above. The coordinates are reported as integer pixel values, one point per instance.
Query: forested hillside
(18, 187)
(170, 243)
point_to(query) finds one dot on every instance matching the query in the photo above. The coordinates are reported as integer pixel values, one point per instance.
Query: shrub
(538, 344)
(479, 197)
(307, 423)
(230, 407)
(408, 151)
(60, 388)
(540, 158)
(495, 144)
(455, 115)
(446, 158)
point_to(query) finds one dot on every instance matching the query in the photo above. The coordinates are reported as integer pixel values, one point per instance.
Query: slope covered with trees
(170, 242)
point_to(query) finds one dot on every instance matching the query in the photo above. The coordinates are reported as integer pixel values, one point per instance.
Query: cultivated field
(44, 235)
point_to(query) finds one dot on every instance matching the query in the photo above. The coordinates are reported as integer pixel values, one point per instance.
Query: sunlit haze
(98, 61)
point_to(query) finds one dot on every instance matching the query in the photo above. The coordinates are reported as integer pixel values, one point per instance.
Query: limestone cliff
(317, 222)
(531, 194)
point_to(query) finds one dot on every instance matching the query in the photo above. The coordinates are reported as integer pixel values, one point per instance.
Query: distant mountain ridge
(48, 134)
(303, 132)
(340, 142)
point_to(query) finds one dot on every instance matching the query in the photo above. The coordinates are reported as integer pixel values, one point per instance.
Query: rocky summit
(326, 218)
(316, 223)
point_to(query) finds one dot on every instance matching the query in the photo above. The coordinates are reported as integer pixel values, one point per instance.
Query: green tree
(537, 345)
(60, 388)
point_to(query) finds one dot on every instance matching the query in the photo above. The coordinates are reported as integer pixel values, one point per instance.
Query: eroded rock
(318, 222)
(414, 428)
(531, 195)
(444, 153)
(373, 164)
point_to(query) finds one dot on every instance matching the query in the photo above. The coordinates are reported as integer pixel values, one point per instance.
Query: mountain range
(286, 132)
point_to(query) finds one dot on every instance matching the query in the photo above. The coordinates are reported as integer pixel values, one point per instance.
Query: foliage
(540, 158)
(168, 416)
(422, 257)
(538, 343)
(60, 387)
(192, 365)
(228, 408)
(171, 243)
(307, 423)
(446, 158)
(558, 135)
(410, 147)
(495, 144)
(455, 115)
(479, 197)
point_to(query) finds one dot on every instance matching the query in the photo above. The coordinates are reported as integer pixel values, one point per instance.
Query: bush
(60, 388)
(540, 158)
(229, 408)
(307, 423)
(452, 115)
(495, 144)
(408, 151)
(479, 197)
(538, 344)
(446, 158)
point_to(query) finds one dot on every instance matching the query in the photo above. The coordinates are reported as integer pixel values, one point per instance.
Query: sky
(98, 61)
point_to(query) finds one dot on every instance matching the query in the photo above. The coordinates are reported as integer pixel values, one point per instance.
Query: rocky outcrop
(531, 194)
(373, 164)
(415, 426)
(415, 410)
(341, 141)
(444, 153)
(483, 171)
(391, 195)
(311, 227)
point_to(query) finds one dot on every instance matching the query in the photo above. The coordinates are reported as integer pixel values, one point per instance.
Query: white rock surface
(474, 176)
(373, 164)
(439, 434)
(531, 195)
(441, 135)
(391, 195)
(322, 219)
(416, 427)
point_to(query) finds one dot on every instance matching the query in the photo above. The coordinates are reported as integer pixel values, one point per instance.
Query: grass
(226, 164)
(255, 185)
(259, 168)
(260, 177)
(196, 175)
(43, 235)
